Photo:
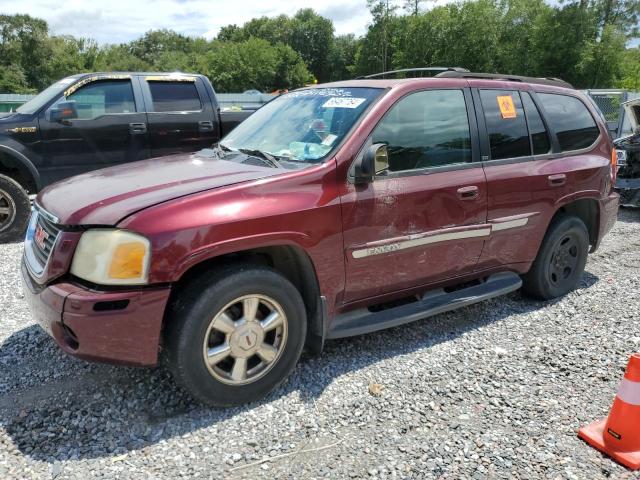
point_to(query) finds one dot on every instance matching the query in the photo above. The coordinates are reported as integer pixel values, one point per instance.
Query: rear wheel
(561, 259)
(14, 210)
(235, 336)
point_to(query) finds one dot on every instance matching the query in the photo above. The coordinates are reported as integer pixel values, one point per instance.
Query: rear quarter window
(570, 119)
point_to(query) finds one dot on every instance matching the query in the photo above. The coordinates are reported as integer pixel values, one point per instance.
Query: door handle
(557, 180)
(468, 193)
(137, 128)
(205, 126)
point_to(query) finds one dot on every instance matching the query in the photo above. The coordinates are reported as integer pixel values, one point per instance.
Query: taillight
(614, 166)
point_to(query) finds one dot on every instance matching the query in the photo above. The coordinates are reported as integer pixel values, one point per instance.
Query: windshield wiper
(270, 159)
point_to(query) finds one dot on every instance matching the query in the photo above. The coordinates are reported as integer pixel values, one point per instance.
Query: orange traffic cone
(619, 435)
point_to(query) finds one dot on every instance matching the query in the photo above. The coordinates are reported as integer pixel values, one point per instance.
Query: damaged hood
(632, 110)
(104, 197)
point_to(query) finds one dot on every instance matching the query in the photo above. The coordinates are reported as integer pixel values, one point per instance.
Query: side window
(570, 119)
(426, 129)
(539, 136)
(175, 96)
(103, 98)
(506, 125)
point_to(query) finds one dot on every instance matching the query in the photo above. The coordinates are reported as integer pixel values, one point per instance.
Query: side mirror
(374, 160)
(63, 111)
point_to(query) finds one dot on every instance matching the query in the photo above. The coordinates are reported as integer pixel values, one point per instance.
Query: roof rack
(415, 70)
(557, 82)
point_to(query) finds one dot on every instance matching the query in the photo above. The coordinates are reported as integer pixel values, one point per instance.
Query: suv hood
(104, 197)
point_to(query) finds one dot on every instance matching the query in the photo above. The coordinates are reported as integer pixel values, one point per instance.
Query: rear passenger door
(527, 166)
(180, 115)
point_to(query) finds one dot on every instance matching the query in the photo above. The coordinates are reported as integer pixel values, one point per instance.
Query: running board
(431, 303)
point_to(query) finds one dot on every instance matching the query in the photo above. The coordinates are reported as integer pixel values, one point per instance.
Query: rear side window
(174, 96)
(426, 129)
(570, 119)
(506, 124)
(539, 136)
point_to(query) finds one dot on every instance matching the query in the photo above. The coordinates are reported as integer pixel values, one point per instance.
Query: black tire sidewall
(537, 282)
(192, 318)
(20, 199)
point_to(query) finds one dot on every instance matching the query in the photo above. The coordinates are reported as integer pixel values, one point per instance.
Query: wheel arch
(17, 166)
(292, 261)
(586, 209)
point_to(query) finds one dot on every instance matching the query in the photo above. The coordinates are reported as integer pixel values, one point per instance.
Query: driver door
(109, 129)
(423, 219)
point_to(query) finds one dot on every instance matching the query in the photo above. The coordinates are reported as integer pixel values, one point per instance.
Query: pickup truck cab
(334, 210)
(94, 120)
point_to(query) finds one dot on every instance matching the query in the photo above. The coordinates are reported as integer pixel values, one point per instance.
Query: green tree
(119, 58)
(342, 57)
(253, 63)
(24, 47)
(630, 70)
(312, 38)
(156, 43)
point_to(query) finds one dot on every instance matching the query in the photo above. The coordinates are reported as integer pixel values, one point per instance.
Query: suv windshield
(40, 100)
(303, 125)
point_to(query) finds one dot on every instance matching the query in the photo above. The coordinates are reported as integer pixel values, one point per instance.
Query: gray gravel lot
(495, 390)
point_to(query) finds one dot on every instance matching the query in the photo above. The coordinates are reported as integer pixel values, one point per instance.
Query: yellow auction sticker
(507, 107)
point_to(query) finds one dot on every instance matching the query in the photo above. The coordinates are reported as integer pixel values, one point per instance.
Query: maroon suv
(335, 210)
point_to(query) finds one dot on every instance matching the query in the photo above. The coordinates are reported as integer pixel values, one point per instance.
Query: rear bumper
(114, 327)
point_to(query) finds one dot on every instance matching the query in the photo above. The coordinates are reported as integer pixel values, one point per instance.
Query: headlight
(112, 257)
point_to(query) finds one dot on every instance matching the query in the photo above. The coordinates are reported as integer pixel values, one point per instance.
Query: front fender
(21, 155)
(250, 242)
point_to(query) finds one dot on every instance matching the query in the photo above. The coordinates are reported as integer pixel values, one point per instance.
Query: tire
(15, 209)
(203, 309)
(561, 259)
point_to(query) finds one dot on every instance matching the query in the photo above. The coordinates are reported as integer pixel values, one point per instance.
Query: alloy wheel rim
(245, 339)
(564, 260)
(7, 210)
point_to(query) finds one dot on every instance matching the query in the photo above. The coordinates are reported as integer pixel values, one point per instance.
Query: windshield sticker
(329, 139)
(342, 102)
(507, 107)
(319, 92)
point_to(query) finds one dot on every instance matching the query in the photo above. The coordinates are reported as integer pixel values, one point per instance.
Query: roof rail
(413, 70)
(557, 82)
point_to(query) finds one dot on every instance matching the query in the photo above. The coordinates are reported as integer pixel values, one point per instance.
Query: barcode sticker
(343, 102)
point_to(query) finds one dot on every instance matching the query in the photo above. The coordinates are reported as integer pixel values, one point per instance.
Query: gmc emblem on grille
(40, 236)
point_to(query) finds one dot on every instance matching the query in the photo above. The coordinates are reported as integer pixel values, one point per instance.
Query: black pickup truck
(95, 120)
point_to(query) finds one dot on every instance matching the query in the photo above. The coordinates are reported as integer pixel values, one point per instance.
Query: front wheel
(234, 336)
(561, 259)
(15, 208)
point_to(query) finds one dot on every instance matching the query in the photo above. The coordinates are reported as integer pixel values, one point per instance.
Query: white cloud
(124, 20)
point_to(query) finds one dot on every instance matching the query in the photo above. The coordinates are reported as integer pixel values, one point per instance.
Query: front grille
(42, 235)
(43, 252)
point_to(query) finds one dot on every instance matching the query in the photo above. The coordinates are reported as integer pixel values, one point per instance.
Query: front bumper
(629, 190)
(120, 327)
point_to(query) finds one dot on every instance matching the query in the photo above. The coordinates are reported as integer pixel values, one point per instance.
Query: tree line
(582, 41)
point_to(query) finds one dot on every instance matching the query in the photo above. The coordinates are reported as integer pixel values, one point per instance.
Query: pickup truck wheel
(561, 260)
(14, 209)
(234, 337)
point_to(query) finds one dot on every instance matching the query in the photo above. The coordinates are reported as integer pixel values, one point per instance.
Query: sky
(117, 21)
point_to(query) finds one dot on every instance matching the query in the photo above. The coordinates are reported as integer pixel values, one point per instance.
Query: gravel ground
(495, 390)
